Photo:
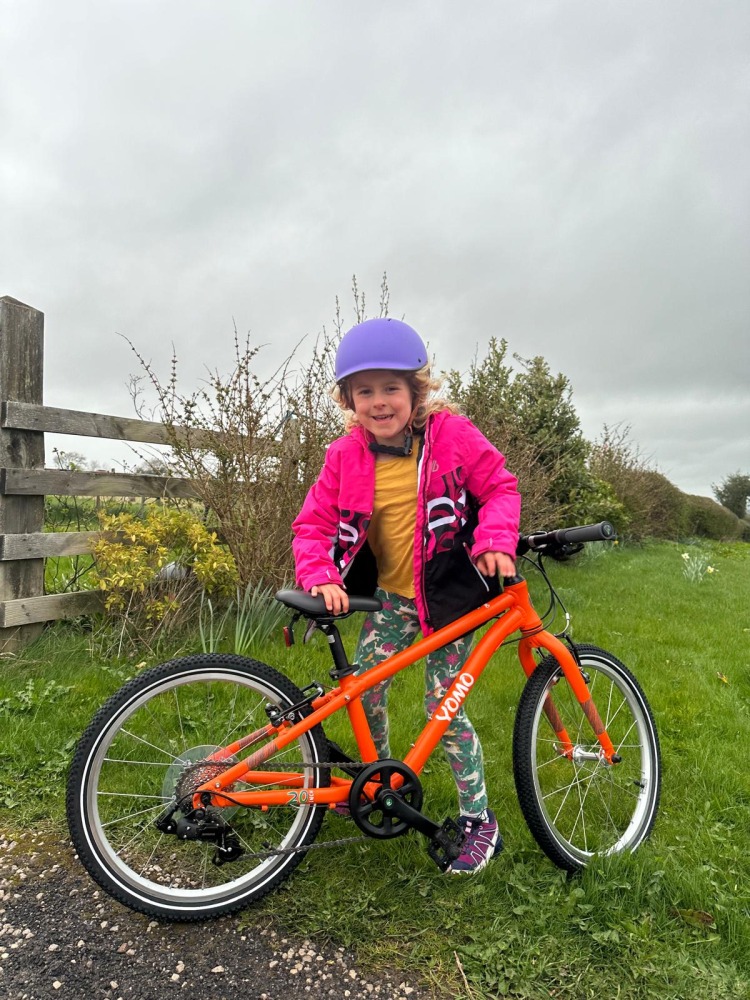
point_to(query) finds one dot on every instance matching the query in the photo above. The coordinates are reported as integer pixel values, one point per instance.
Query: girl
(415, 504)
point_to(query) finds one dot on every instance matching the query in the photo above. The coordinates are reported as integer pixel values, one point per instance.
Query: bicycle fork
(577, 682)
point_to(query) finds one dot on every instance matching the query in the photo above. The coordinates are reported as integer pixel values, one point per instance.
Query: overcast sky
(572, 176)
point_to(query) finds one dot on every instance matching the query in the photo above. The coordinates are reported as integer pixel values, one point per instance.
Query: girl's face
(382, 402)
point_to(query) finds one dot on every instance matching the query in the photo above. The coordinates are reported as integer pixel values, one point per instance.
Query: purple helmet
(380, 343)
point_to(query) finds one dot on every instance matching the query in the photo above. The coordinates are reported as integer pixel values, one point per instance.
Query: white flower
(685, 555)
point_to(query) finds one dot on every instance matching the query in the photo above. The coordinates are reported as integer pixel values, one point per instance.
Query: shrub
(529, 415)
(595, 500)
(253, 446)
(653, 506)
(708, 519)
(154, 569)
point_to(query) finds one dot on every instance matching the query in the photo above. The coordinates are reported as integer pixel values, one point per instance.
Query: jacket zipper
(475, 567)
(422, 472)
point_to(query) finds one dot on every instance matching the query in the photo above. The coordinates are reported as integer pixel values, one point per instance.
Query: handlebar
(543, 541)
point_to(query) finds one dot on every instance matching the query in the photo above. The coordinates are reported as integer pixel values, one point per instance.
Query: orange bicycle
(202, 783)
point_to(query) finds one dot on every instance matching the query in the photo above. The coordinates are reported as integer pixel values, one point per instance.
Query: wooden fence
(24, 482)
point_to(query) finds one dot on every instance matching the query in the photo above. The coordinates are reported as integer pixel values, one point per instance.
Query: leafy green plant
(246, 624)
(33, 696)
(695, 566)
(733, 493)
(528, 413)
(154, 570)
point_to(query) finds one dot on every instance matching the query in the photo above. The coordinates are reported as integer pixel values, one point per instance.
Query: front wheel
(144, 753)
(576, 804)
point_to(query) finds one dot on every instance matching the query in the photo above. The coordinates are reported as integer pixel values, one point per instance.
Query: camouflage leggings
(393, 629)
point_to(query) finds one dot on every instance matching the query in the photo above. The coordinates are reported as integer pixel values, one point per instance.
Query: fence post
(21, 379)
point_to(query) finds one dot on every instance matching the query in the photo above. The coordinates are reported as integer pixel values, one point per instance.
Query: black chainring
(367, 813)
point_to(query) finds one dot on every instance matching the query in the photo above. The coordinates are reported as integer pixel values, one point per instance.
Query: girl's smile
(383, 405)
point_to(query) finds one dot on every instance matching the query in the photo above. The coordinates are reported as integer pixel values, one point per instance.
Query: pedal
(445, 844)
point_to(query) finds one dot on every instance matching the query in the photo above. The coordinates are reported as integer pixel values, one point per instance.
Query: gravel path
(62, 937)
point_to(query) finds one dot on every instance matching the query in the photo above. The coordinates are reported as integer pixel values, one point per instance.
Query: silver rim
(589, 806)
(130, 769)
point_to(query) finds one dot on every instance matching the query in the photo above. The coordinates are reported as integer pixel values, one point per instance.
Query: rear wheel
(578, 806)
(144, 753)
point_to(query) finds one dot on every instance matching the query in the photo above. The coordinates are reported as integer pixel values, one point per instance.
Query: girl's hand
(337, 600)
(492, 563)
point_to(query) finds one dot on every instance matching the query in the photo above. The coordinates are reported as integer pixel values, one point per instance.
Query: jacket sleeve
(315, 528)
(495, 490)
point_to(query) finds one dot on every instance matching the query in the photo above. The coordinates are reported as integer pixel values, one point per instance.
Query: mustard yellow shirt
(391, 531)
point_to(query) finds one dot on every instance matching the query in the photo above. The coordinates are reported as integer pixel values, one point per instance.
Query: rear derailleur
(199, 824)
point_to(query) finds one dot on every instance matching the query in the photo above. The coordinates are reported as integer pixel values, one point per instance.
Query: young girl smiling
(414, 504)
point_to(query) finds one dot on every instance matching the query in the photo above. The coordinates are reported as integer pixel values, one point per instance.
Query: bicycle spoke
(153, 746)
(130, 816)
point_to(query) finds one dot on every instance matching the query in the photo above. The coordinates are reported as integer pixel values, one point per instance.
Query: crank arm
(393, 805)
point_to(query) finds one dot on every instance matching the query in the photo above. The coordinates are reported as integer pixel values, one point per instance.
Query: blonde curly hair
(422, 386)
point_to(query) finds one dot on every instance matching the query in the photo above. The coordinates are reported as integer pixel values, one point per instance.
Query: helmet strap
(403, 452)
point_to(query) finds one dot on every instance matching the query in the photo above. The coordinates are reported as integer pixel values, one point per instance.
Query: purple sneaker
(483, 842)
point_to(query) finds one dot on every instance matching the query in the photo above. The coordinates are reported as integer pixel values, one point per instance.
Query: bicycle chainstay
(329, 765)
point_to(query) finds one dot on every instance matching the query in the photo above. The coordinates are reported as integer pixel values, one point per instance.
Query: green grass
(671, 921)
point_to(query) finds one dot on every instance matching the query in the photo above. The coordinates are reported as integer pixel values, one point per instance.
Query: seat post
(341, 665)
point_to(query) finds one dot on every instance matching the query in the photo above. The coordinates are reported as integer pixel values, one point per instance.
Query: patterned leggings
(391, 630)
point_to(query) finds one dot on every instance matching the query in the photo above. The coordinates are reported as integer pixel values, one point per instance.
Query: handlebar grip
(540, 541)
(602, 532)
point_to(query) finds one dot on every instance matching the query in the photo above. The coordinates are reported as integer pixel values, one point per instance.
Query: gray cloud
(572, 177)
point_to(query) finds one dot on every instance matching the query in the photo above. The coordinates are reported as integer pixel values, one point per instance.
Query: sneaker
(483, 842)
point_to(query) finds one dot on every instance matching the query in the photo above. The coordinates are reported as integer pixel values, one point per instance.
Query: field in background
(672, 921)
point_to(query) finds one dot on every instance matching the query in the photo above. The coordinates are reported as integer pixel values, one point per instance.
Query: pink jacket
(467, 504)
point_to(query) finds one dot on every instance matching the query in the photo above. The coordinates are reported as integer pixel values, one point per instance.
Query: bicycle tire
(580, 809)
(131, 761)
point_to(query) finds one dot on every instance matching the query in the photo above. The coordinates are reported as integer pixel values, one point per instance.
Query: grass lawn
(670, 921)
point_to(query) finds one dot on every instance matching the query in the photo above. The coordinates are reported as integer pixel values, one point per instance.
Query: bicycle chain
(342, 765)
(309, 847)
(277, 766)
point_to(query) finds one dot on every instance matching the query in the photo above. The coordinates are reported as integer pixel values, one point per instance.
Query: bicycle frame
(513, 610)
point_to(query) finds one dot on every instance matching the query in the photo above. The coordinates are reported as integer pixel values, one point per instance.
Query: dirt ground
(61, 936)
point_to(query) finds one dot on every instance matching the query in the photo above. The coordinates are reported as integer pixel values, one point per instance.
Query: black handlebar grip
(602, 532)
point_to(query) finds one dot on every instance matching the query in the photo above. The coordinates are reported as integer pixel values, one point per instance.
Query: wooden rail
(24, 482)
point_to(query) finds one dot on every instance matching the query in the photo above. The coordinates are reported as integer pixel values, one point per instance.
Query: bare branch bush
(252, 447)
